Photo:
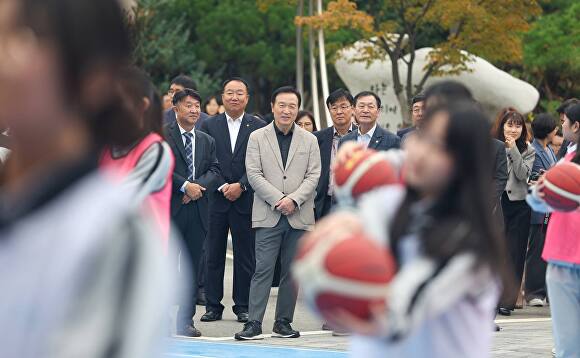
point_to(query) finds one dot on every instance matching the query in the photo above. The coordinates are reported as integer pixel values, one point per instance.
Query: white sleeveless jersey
(82, 276)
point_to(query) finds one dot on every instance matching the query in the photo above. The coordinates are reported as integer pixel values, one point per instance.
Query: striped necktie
(189, 154)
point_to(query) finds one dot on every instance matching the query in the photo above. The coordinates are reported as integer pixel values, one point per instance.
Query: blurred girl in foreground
(439, 226)
(146, 165)
(82, 272)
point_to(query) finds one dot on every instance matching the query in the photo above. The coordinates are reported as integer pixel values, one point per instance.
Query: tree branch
(427, 74)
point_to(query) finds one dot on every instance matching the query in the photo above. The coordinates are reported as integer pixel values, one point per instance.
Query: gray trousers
(281, 240)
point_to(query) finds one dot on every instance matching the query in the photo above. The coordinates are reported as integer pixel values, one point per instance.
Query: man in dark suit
(231, 203)
(366, 111)
(196, 173)
(561, 110)
(180, 83)
(417, 110)
(340, 103)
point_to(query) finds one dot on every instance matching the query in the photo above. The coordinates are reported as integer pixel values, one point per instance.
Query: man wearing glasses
(366, 111)
(340, 103)
(180, 83)
(417, 110)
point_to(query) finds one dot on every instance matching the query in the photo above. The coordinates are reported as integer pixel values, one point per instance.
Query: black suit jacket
(324, 137)
(382, 139)
(500, 178)
(207, 170)
(232, 165)
(402, 132)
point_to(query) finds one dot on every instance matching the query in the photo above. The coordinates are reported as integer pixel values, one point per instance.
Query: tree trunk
(300, 52)
(323, 74)
(397, 85)
(313, 74)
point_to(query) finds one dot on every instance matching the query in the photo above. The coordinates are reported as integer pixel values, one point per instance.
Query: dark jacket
(232, 165)
(500, 177)
(207, 170)
(382, 139)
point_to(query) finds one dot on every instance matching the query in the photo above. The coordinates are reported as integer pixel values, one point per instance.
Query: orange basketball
(364, 171)
(562, 187)
(351, 273)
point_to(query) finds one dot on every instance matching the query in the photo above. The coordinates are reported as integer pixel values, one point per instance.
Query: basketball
(562, 187)
(351, 272)
(364, 171)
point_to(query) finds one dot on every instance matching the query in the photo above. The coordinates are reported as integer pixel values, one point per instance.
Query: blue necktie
(189, 153)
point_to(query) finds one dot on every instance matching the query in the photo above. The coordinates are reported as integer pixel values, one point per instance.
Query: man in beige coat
(283, 168)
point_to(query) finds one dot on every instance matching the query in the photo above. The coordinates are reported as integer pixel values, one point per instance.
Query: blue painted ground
(181, 348)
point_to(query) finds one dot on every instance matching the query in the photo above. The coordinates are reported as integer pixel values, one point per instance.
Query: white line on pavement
(219, 339)
(522, 320)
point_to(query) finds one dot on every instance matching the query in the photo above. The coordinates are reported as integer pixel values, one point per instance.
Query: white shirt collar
(181, 130)
(572, 148)
(234, 119)
(370, 133)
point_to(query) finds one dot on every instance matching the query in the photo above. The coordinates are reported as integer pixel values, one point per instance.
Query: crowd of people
(114, 200)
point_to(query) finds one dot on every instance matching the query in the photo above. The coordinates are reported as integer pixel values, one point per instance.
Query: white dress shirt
(181, 131)
(234, 125)
(366, 138)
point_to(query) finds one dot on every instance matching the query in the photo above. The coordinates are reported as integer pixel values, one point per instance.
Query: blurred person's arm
(120, 298)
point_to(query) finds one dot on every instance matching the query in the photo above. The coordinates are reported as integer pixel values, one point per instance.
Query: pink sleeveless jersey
(563, 235)
(157, 203)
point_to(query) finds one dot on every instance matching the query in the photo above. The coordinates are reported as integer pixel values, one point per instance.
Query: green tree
(552, 53)
(395, 28)
(162, 46)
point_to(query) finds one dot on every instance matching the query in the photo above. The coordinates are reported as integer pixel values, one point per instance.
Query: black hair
(466, 203)
(85, 45)
(447, 92)
(188, 92)
(573, 113)
(510, 114)
(559, 132)
(543, 125)
(239, 79)
(286, 89)
(184, 81)
(137, 85)
(337, 95)
(366, 94)
(567, 103)
(206, 102)
(418, 98)
(309, 115)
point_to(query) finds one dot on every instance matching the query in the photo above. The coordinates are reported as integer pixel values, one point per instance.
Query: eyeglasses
(343, 108)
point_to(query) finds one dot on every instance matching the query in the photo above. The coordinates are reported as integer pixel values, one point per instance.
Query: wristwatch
(243, 187)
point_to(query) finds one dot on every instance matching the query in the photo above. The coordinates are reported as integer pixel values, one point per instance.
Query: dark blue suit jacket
(382, 139)
(169, 117)
(403, 132)
(232, 165)
(207, 170)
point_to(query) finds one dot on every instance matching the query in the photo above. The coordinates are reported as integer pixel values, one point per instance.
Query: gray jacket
(519, 169)
(272, 181)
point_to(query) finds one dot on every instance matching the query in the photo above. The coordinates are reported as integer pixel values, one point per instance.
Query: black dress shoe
(188, 331)
(201, 300)
(211, 316)
(504, 311)
(283, 329)
(243, 317)
(252, 331)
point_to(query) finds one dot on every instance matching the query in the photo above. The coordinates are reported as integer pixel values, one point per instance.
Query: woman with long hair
(439, 227)
(510, 128)
(562, 252)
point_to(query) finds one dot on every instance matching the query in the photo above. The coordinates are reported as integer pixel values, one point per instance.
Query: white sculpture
(492, 87)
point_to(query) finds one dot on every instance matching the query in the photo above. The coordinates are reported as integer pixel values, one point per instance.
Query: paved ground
(527, 333)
